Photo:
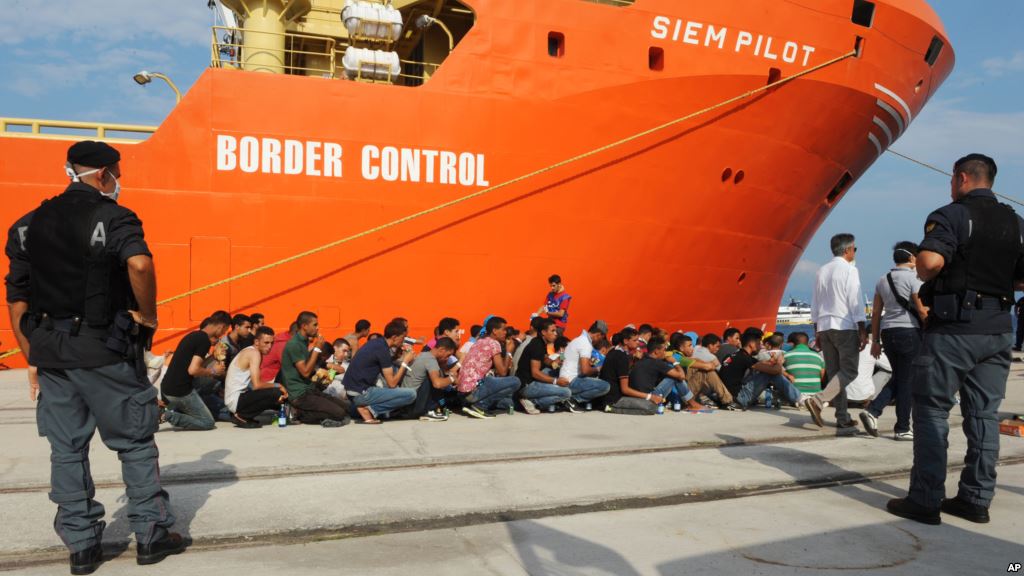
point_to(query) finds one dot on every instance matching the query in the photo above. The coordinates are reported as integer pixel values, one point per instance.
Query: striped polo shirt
(806, 366)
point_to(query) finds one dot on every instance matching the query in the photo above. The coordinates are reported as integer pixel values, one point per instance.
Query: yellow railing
(230, 53)
(421, 77)
(42, 129)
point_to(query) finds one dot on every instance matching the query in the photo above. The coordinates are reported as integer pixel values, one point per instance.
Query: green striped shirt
(806, 366)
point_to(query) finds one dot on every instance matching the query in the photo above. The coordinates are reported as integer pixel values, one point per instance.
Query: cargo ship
(326, 119)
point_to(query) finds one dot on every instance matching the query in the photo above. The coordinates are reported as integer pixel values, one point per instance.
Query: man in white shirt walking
(837, 312)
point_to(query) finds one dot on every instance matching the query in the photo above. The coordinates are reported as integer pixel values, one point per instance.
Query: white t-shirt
(863, 387)
(580, 347)
(703, 354)
(336, 388)
(235, 382)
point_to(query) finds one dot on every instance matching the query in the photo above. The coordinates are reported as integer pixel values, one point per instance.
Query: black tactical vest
(985, 262)
(73, 272)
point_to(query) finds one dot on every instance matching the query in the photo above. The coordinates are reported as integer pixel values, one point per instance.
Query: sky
(74, 60)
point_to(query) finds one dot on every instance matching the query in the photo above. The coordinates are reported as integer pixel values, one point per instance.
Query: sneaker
(907, 436)
(474, 411)
(964, 509)
(870, 423)
(434, 416)
(608, 409)
(243, 423)
(731, 407)
(331, 423)
(814, 407)
(528, 406)
(904, 508)
(571, 406)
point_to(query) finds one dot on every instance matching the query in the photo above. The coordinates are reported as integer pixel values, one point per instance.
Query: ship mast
(264, 23)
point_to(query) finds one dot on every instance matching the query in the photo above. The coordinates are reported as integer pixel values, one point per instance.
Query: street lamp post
(142, 78)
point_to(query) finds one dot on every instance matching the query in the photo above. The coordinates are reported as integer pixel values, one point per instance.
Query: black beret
(93, 154)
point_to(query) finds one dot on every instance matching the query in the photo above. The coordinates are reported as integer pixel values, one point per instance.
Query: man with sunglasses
(838, 314)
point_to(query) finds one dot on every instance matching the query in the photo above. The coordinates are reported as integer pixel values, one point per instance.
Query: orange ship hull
(696, 227)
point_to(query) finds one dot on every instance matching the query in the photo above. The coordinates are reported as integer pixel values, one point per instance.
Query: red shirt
(558, 303)
(271, 363)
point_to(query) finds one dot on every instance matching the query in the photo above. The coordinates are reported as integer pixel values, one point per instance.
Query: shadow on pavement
(796, 463)
(186, 499)
(543, 550)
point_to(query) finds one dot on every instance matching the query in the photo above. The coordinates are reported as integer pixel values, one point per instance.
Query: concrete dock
(729, 492)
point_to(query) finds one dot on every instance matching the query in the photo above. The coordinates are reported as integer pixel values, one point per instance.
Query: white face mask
(117, 189)
(75, 177)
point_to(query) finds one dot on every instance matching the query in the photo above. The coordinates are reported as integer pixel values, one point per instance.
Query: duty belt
(73, 326)
(993, 303)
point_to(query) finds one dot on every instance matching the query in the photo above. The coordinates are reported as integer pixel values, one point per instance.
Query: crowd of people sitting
(236, 368)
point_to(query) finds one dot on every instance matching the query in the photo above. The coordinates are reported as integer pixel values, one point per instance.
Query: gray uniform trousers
(73, 403)
(977, 366)
(841, 350)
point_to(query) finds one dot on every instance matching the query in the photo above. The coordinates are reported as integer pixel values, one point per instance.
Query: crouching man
(245, 394)
(375, 360)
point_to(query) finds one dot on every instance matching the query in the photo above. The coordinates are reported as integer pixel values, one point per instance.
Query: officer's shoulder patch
(929, 226)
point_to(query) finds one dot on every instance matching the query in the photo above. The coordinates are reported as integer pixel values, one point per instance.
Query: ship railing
(418, 78)
(68, 130)
(227, 51)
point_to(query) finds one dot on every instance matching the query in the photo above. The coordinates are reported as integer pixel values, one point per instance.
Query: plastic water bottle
(768, 398)
(282, 417)
(661, 408)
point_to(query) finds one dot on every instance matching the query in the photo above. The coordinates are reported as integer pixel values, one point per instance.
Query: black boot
(905, 508)
(156, 551)
(966, 510)
(88, 560)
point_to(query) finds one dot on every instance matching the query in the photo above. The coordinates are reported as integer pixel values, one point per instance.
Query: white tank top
(235, 382)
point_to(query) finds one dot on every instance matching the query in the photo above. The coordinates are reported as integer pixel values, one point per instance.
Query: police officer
(971, 260)
(82, 290)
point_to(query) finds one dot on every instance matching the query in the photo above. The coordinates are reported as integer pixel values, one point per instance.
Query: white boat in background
(796, 312)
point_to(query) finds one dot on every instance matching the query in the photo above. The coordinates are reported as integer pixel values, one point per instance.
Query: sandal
(366, 415)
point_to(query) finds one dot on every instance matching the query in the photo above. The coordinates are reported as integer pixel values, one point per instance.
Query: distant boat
(796, 312)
